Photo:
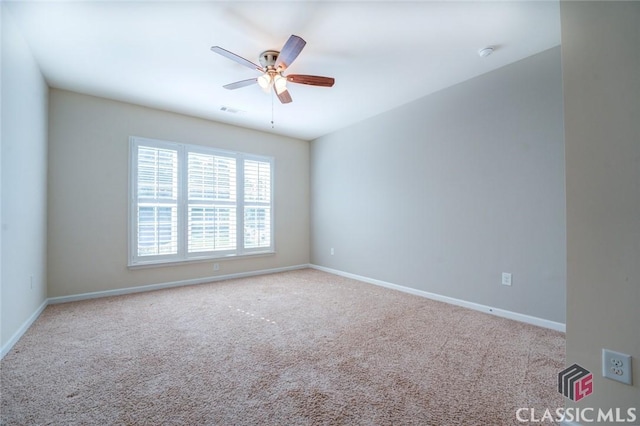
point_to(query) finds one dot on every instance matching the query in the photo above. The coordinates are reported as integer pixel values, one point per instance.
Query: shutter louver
(211, 217)
(157, 190)
(257, 204)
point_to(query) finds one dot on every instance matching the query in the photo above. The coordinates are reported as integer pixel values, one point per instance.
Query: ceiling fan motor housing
(268, 59)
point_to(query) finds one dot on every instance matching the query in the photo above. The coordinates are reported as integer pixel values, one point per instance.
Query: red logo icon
(575, 382)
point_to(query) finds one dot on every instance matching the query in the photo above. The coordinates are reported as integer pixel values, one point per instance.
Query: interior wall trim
(540, 322)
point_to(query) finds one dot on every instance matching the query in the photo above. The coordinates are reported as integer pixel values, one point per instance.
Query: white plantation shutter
(257, 204)
(190, 202)
(157, 207)
(211, 218)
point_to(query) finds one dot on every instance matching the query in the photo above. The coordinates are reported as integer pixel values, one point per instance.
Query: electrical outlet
(616, 366)
(331, 251)
(506, 278)
(216, 266)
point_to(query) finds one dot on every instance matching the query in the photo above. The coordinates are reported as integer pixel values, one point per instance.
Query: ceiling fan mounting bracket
(268, 59)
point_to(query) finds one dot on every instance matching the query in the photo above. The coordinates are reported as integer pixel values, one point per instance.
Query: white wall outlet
(616, 366)
(331, 251)
(216, 266)
(506, 278)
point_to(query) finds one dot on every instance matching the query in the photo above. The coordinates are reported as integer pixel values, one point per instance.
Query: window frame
(183, 256)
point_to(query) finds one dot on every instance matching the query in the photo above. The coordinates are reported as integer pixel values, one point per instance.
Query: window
(192, 202)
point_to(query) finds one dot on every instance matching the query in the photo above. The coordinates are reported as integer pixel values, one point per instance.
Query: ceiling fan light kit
(279, 83)
(272, 65)
(264, 81)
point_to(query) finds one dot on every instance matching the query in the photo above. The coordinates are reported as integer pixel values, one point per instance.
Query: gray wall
(446, 193)
(24, 182)
(88, 192)
(601, 75)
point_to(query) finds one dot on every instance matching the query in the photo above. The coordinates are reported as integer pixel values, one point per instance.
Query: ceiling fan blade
(239, 59)
(284, 96)
(311, 80)
(289, 52)
(241, 83)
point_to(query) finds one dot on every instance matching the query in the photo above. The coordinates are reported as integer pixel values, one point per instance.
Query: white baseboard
(94, 295)
(458, 302)
(152, 287)
(23, 329)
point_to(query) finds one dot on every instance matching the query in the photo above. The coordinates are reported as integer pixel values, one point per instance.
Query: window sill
(167, 263)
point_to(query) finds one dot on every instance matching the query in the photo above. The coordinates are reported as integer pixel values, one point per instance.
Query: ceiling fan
(272, 65)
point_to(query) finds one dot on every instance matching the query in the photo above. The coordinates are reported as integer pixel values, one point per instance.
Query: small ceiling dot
(485, 52)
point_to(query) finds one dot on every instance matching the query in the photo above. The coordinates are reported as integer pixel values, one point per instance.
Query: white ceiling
(382, 54)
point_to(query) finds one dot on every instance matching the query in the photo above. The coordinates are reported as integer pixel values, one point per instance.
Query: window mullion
(240, 203)
(183, 195)
(133, 200)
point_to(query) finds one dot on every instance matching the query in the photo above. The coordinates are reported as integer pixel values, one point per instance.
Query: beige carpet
(296, 348)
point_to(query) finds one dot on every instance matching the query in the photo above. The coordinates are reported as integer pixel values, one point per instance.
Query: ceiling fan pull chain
(272, 109)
